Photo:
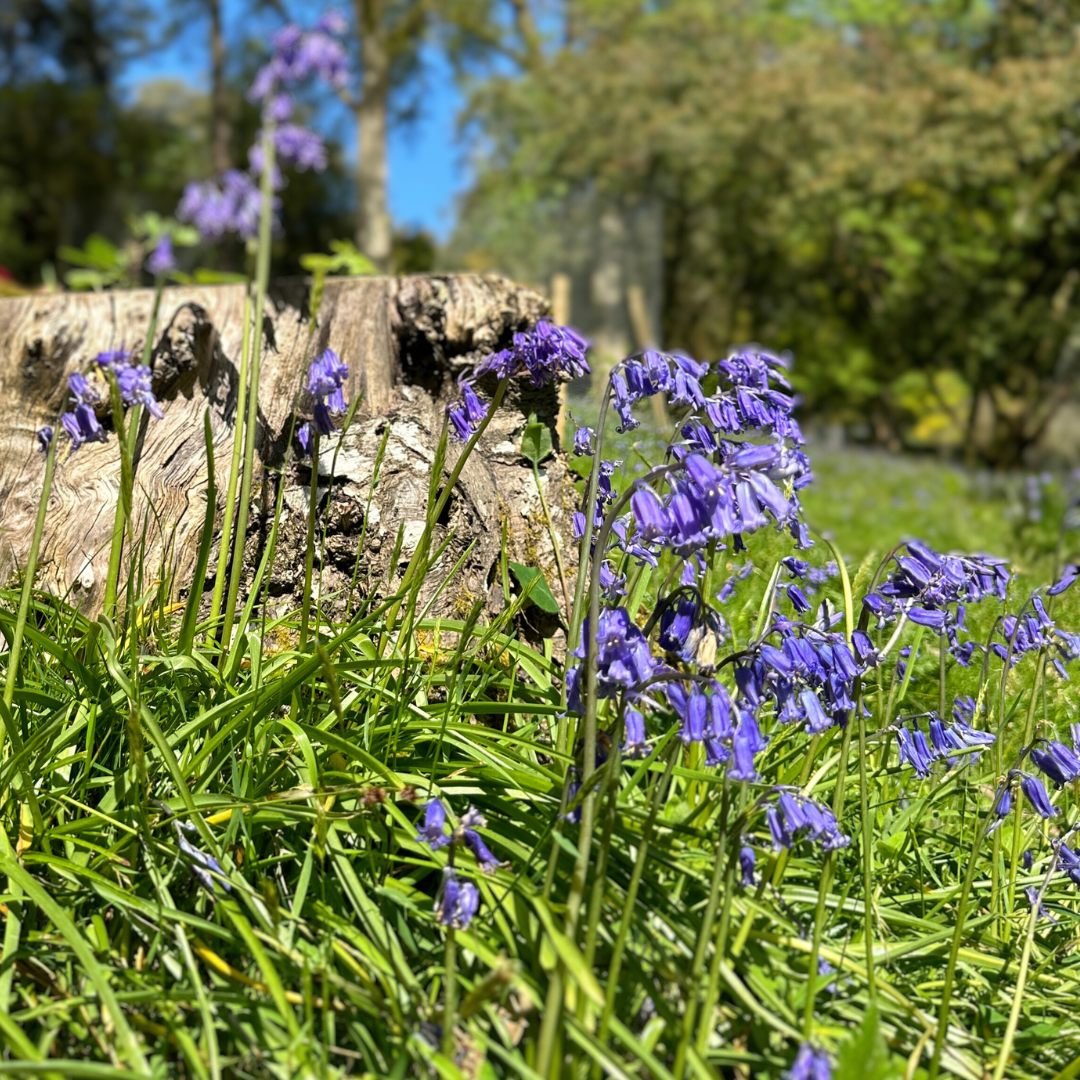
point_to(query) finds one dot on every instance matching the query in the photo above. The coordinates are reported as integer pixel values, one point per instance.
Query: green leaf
(536, 442)
(205, 276)
(533, 582)
(865, 1056)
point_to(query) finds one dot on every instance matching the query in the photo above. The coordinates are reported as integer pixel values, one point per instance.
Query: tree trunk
(375, 231)
(405, 340)
(219, 118)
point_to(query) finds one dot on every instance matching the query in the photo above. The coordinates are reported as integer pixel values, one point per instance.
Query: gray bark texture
(405, 341)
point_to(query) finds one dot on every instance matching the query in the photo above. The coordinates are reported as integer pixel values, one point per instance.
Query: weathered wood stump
(405, 341)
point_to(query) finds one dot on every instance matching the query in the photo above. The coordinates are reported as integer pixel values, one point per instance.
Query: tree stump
(405, 340)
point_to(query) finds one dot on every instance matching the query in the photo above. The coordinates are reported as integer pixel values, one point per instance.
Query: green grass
(302, 774)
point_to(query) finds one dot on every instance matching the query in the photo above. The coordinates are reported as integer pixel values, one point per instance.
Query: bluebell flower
(747, 863)
(303, 436)
(1068, 576)
(162, 260)
(203, 865)
(467, 414)
(433, 831)
(584, 442)
(488, 862)
(293, 145)
(44, 437)
(914, 750)
(219, 207)
(798, 599)
(810, 1064)
(299, 55)
(326, 385)
(1033, 789)
(1069, 861)
(634, 735)
(797, 815)
(1042, 911)
(457, 901)
(81, 426)
(624, 660)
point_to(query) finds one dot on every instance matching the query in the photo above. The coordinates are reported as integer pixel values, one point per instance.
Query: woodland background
(890, 189)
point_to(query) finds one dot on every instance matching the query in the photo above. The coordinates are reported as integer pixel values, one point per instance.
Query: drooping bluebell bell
(294, 145)
(326, 386)
(634, 735)
(826, 969)
(219, 207)
(433, 832)
(798, 599)
(1068, 576)
(471, 820)
(958, 736)
(1034, 631)
(162, 260)
(203, 865)
(747, 864)
(1042, 911)
(584, 441)
(300, 55)
(914, 750)
(1068, 860)
(457, 901)
(467, 414)
(810, 1064)
(1035, 793)
(44, 437)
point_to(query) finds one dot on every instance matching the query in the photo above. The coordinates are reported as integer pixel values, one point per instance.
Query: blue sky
(426, 168)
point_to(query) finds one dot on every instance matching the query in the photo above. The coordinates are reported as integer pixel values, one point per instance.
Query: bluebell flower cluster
(808, 676)
(231, 203)
(457, 901)
(932, 590)
(625, 662)
(945, 740)
(1034, 631)
(794, 816)
(545, 354)
(326, 385)
(810, 1064)
(134, 382)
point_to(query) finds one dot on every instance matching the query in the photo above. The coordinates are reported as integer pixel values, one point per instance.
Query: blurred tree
(877, 190)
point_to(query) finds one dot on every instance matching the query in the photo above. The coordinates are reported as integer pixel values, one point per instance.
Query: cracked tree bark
(405, 341)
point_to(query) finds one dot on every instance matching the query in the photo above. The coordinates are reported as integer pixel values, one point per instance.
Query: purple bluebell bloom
(161, 260)
(1068, 576)
(810, 1064)
(81, 426)
(624, 659)
(300, 55)
(914, 750)
(457, 902)
(1033, 789)
(469, 413)
(545, 354)
(203, 865)
(634, 735)
(433, 831)
(44, 437)
(584, 441)
(1069, 861)
(798, 815)
(488, 862)
(747, 863)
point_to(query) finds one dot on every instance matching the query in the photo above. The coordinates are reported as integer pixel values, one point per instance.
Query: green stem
(309, 547)
(704, 934)
(28, 582)
(229, 509)
(262, 280)
(867, 860)
(449, 993)
(1021, 977)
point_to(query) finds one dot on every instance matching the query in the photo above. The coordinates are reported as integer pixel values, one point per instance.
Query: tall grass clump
(766, 814)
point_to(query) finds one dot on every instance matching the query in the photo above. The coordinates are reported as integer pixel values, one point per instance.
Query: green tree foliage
(895, 189)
